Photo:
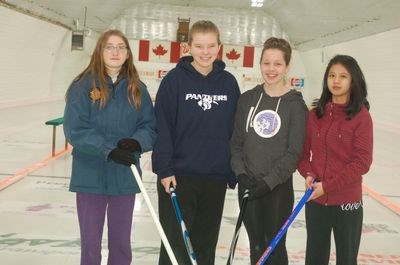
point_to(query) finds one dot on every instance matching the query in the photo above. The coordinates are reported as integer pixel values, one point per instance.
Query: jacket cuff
(311, 174)
(232, 181)
(106, 151)
(165, 173)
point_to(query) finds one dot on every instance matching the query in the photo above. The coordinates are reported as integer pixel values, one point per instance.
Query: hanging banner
(237, 56)
(159, 51)
(170, 52)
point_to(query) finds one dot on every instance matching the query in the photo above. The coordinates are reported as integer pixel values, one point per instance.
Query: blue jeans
(92, 209)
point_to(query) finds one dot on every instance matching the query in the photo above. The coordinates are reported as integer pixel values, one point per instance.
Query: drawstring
(252, 111)
(277, 105)
(248, 119)
(276, 112)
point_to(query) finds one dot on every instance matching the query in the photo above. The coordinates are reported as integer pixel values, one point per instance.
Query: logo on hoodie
(267, 123)
(206, 101)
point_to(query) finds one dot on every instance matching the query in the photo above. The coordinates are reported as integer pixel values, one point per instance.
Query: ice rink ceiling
(158, 21)
(308, 24)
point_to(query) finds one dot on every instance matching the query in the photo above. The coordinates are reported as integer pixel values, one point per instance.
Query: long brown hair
(97, 68)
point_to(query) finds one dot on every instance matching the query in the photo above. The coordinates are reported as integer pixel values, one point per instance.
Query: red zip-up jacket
(337, 152)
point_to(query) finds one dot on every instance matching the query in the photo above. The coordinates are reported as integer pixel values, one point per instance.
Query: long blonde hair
(97, 68)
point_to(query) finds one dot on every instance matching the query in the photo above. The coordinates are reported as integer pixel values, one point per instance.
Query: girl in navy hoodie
(337, 153)
(195, 108)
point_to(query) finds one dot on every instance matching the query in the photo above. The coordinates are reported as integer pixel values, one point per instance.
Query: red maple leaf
(233, 55)
(160, 51)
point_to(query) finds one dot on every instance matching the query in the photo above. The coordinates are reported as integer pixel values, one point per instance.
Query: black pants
(346, 223)
(264, 217)
(202, 203)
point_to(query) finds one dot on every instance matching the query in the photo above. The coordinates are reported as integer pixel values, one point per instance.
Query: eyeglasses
(111, 49)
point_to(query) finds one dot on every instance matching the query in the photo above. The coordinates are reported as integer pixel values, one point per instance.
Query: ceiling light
(257, 3)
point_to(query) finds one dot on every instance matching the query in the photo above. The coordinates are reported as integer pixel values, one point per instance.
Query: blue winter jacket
(95, 131)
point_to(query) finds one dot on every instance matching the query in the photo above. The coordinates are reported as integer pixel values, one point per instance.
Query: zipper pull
(113, 91)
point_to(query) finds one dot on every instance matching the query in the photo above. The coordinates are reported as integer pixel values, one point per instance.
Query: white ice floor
(38, 224)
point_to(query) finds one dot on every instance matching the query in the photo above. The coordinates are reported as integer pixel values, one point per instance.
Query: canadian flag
(159, 51)
(170, 52)
(237, 56)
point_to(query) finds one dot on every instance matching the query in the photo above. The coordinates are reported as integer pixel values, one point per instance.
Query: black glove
(259, 190)
(121, 156)
(246, 182)
(129, 144)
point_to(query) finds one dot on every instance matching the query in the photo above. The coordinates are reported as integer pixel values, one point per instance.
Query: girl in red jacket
(337, 153)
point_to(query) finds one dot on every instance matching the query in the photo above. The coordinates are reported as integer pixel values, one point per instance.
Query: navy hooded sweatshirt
(195, 116)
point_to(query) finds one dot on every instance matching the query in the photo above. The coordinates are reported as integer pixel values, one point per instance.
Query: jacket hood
(292, 95)
(258, 93)
(185, 63)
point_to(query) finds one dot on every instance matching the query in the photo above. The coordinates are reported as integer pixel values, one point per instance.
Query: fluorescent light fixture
(257, 3)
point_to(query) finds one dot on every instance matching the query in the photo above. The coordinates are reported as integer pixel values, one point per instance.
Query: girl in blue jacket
(109, 120)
